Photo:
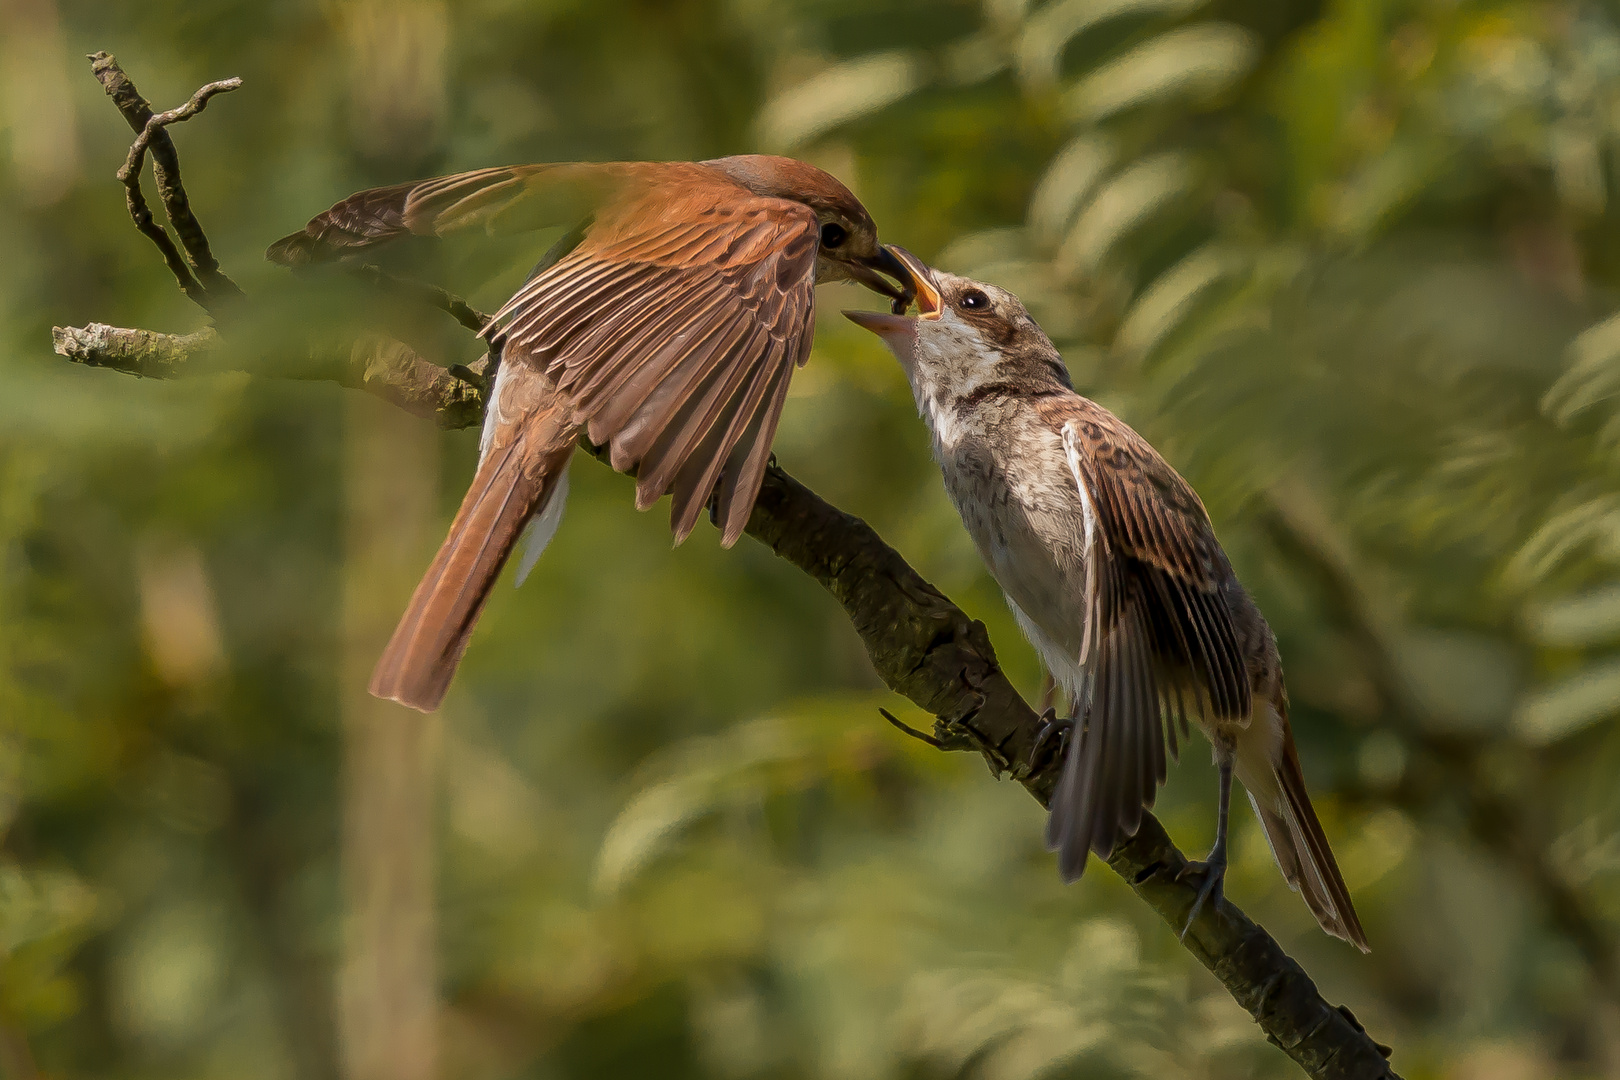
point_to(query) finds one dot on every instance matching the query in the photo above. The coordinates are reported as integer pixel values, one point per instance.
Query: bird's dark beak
(870, 271)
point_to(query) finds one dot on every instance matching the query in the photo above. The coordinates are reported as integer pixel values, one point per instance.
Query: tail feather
(514, 482)
(1302, 852)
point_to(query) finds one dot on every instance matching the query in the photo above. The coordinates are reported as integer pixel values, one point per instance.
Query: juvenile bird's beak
(869, 272)
(920, 278)
(899, 332)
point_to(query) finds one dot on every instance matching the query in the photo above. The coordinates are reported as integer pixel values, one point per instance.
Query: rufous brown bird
(1111, 567)
(667, 332)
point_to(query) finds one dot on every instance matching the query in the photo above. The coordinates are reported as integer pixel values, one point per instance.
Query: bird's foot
(1210, 891)
(470, 377)
(1053, 727)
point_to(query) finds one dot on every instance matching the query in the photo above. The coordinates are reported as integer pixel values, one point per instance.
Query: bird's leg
(1213, 868)
(1053, 727)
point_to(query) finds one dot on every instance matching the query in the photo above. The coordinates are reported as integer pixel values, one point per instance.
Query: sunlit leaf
(1570, 705)
(836, 96)
(1068, 180)
(1589, 618)
(1173, 295)
(1123, 204)
(1049, 31)
(1193, 62)
(1595, 521)
(1592, 375)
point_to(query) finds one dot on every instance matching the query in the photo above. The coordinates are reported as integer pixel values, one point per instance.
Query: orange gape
(668, 334)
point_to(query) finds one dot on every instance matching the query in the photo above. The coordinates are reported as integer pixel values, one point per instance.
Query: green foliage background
(1349, 265)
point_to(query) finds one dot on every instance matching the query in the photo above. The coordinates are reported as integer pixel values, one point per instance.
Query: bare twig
(920, 736)
(158, 121)
(143, 353)
(431, 295)
(202, 280)
(378, 365)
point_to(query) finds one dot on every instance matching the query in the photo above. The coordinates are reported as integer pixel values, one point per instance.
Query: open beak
(898, 331)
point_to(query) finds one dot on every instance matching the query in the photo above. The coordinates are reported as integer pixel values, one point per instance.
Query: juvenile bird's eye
(973, 300)
(832, 234)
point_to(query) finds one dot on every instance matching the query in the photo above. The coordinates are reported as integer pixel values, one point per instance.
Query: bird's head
(848, 243)
(966, 336)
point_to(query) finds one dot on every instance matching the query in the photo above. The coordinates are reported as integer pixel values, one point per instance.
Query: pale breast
(1010, 480)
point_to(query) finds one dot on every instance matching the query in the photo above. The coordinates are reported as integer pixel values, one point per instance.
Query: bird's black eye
(973, 300)
(833, 234)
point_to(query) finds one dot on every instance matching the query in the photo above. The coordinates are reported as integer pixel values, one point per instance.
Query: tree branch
(926, 648)
(922, 645)
(208, 283)
(378, 365)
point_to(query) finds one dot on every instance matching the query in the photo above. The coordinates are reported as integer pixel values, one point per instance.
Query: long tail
(515, 481)
(1301, 848)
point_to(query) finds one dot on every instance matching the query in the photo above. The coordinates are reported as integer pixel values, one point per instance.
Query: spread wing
(507, 199)
(1159, 639)
(673, 329)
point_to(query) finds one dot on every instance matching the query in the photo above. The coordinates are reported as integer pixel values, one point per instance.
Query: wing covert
(673, 330)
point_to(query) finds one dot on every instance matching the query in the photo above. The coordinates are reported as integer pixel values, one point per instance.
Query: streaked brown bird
(1111, 567)
(667, 333)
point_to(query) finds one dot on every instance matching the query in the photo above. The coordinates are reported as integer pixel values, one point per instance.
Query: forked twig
(201, 280)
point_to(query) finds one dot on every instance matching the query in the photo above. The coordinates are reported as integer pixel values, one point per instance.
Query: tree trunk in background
(388, 992)
(388, 997)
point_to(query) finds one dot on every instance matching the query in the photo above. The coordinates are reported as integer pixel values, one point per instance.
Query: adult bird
(1111, 567)
(667, 332)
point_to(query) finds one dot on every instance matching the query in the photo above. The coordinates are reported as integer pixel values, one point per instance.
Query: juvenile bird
(667, 332)
(1111, 568)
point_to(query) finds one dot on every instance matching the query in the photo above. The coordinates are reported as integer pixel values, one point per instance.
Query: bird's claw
(1210, 892)
(1053, 726)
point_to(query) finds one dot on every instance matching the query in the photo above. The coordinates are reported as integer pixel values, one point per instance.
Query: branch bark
(203, 280)
(922, 645)
(926, 648)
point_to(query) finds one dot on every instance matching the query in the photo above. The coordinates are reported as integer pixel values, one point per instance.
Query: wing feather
(673, 343)
(1158, 640)
(647, 326)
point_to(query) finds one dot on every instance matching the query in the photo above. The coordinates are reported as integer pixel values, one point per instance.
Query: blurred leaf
(1066, 183)
(44, 916)
(1570, 705)
(1462, 681)
(837, 95)
(1590, 618)
(1194, 62)
(1171, 298)
(1048, 32)
(1124, 203)
(1592, 375)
